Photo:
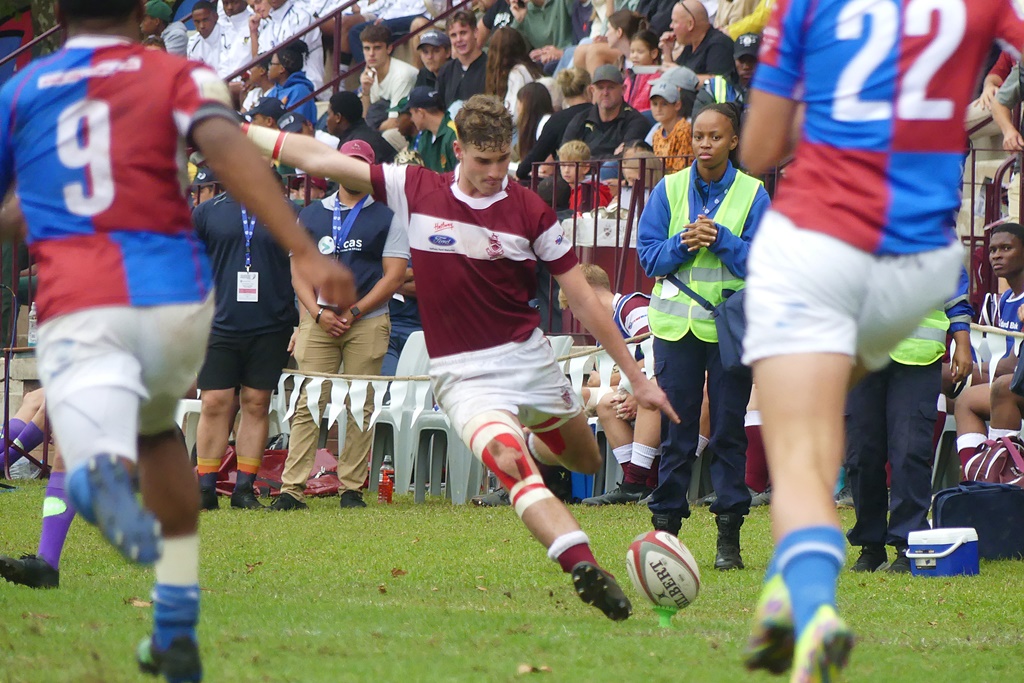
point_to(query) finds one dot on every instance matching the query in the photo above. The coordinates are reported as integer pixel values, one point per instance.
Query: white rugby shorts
(808, 292)
(153, 351)
(519, 377)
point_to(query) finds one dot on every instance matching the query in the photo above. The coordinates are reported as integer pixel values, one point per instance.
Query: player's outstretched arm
(769, 134)
(312, 156)
(589, 311)
(246, 175)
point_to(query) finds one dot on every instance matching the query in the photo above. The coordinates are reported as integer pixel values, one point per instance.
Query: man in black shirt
(610, 121)
(435, 51)
(706, 50)
(498, 15)
(345, 122)
(466, 75)
(254, 313)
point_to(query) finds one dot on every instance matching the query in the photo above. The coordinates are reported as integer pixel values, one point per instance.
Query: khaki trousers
(360, 351)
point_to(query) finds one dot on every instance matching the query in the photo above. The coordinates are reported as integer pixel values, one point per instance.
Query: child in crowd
(646, 58)
(653, 170)
(587, 192)
(671, 104)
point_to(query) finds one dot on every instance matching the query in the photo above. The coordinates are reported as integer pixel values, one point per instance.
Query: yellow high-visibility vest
(672, 317)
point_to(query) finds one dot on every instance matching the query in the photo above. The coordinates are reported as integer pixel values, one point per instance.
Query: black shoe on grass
(179, 663)
(30, 571)
(597, 587)
(286, 501)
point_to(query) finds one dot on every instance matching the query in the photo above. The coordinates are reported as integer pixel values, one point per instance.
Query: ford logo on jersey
(442, 240)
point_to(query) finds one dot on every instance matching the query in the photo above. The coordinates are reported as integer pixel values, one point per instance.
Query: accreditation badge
(248, 290)
(326, 245)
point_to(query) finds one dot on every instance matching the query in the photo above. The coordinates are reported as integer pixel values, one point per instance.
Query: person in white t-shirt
(384, 78)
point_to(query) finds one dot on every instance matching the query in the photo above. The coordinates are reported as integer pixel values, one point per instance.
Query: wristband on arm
(268, 141)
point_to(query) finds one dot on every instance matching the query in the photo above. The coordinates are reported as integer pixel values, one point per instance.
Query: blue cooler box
(943, 552)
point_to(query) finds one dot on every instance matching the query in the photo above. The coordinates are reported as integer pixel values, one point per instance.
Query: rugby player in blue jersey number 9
(477, 239)
(858, 249)
(94, 136)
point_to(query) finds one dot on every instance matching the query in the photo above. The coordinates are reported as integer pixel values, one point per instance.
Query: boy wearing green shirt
(436, 129)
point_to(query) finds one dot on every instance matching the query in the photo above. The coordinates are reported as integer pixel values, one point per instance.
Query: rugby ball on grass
(663, 569)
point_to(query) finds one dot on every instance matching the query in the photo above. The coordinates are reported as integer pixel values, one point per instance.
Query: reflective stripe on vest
(926, 344)
(721, 90)
(671, 317)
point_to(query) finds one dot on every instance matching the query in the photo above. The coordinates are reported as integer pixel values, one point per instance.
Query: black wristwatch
(356, 312)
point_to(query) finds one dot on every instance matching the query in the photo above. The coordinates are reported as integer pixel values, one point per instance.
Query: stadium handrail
(339, 77)
(335, 13)
(29, 45)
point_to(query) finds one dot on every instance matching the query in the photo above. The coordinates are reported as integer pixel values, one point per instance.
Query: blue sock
(175, 613)
(810, 560)
(208, 480)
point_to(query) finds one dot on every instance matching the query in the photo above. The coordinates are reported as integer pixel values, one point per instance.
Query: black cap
(435, 38)
(423, 97)
(204, 176)
(747, 45)
(292, 122)
(268, 106)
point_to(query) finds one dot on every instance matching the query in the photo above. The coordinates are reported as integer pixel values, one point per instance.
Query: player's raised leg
(498, 440)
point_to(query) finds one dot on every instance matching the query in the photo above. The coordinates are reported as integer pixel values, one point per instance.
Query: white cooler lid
(942, 536)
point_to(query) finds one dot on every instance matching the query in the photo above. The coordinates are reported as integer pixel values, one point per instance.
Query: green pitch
(437, 593)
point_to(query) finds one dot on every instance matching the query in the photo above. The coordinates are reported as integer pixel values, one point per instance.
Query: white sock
(623, 453)
(643, 455)
(972, 440)
(566, 541)
(702, 443)
(179, 563)
(994, 433)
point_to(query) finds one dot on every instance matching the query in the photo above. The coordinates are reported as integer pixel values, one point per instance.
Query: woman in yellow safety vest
(697, 226)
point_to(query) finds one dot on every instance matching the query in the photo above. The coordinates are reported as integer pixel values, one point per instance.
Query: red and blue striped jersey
(94, 137)
(886, 84)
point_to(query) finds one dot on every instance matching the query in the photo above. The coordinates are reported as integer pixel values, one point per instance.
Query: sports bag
(997, 461)
(730, 323)
(995, 511)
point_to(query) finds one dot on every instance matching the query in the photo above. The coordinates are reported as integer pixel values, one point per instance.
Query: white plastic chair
(189, 426)
(438, 447)
(561, 345)
(392, 432)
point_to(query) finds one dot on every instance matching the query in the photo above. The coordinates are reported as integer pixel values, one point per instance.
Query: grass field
(438, 593)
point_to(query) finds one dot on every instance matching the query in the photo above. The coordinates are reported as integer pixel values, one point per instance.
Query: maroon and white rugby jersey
(475, 259)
